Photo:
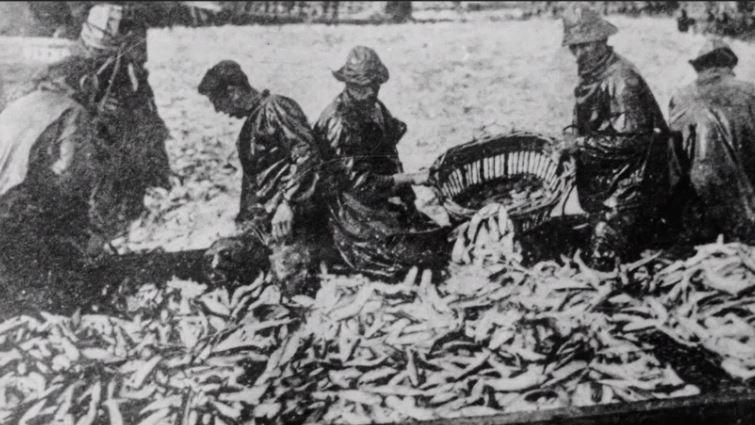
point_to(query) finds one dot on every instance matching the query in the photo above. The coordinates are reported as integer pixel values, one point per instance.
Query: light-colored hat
(100, 33)
(582, 24)
(718, 48)
(363, 67)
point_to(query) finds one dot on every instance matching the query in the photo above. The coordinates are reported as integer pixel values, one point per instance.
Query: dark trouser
(293, 262)
(604, 237)
(389, 258)
(617, 235)
(562, 235)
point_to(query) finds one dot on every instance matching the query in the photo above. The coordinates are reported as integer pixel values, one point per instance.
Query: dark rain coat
(280, 161)
(279, 157)
(716, 156)
(70, 172)
(622, 159)
(375, 226)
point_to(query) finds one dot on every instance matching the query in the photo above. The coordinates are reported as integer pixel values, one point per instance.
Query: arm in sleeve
(626, 123)
(395, 128)
(302, 175)
(70, 138)
(353, 170)
(679, 154)
(682, 124)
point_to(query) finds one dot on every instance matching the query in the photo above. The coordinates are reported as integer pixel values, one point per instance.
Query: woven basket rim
(554, 190)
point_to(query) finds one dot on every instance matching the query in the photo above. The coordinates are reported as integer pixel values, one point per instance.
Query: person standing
(77, 155)
(715, 153)
(618, 141)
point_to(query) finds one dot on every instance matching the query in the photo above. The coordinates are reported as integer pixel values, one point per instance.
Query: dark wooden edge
(716, 409)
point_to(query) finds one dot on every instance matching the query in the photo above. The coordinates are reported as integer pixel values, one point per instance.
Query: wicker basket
(508, 156)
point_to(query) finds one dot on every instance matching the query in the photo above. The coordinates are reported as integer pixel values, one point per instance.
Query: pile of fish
(707, 301)
(513, 193)
(479, 343)
(489, 338)
(488, 237)
(178, 356)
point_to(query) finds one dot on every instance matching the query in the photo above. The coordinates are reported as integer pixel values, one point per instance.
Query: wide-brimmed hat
(715, 50)
(582, 24)
(363, 67)
(101, 31)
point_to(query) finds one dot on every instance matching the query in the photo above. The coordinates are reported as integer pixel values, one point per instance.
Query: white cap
(100, 31)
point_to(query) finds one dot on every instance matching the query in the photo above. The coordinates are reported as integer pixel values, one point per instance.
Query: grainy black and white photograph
(377, 212)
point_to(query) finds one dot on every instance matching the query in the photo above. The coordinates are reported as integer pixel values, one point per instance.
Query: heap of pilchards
(487, 340)
(707, 301)
(524, 340)
(488, 237)
(176, 358)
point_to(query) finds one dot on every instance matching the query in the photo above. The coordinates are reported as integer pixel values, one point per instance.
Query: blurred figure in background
(618, 142)
(112, 47)
(277, 217)
(683, 21)
(77, 155)
(375, 225)
(715, 153)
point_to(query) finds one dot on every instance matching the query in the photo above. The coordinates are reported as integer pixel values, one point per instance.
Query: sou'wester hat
(583, 24)
(363, 67)
(715, 48)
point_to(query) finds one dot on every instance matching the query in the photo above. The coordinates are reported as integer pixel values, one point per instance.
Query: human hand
(110, 106)
(96, 245)
(95, 252)
(421, 178)
(418, 179)
(282, 221)
(562, 154)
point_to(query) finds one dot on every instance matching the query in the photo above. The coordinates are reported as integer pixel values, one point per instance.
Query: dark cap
(715, 52)
(224, 74)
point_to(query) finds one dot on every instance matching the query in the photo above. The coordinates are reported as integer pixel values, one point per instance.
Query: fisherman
(77, 155)
(618, 143)
(373, 219)
(277, 215)
(714, 158)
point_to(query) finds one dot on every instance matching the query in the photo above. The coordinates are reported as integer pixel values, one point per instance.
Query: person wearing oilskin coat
(619, 142)
(715, 155)
(277, 218)
(373, 220)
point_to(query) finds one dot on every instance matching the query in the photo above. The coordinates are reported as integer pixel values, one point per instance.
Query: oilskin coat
(622, 160)
(375, 226)
(69, 172)
(280, 161)
(278, 154)
(715, 157)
